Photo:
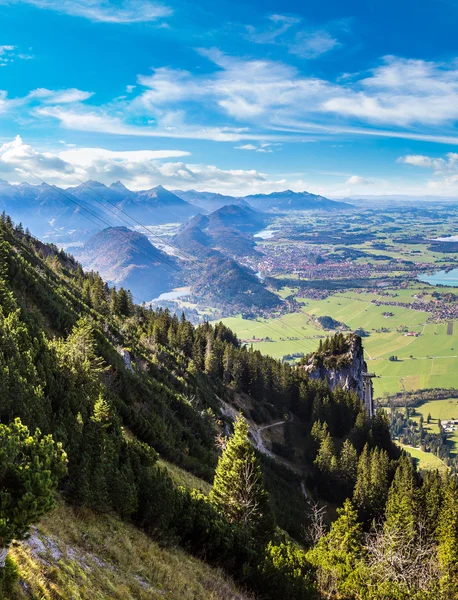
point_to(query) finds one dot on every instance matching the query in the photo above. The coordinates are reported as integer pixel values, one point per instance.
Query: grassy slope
(78, 554)
(425, 460)
(185, 478)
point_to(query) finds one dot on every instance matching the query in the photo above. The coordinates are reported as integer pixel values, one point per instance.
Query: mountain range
(58, 214)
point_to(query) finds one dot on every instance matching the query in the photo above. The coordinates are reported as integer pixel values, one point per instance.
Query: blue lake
(449, 278)
(173, 295)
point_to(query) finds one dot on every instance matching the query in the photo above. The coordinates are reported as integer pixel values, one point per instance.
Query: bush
(9, 575)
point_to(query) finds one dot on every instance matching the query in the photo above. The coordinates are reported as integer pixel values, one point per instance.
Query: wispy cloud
(312, 44)
(299, 38)
(276, 26)
(260, 101)
(401, 92)
(105, 11)
(263, 147)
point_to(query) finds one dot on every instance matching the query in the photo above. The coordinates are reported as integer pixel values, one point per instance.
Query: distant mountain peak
(118, 185)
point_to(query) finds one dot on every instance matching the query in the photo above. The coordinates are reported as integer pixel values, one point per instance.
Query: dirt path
(229, 411)
(259, 442)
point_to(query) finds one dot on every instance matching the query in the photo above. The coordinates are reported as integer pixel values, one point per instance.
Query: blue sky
(339, 98)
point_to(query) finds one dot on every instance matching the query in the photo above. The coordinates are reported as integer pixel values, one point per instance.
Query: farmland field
(429, 360)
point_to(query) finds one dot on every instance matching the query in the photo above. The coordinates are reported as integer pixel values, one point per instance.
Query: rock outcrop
(343, 368)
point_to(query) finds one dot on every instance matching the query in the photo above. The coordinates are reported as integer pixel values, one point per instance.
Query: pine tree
(123, 303)
(211, 361)
(372, 483)
(30, 469)
(238, 487)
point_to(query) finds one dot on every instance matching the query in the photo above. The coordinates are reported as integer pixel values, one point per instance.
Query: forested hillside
(120, 385)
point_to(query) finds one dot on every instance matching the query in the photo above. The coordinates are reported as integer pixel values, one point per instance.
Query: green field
(429, 360)
(425, 460)
(443, 410)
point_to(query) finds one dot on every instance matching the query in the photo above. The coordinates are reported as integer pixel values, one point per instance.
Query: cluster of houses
(449, 426)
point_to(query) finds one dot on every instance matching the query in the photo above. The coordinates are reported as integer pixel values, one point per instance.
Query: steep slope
(118, 385)
(289, 200)
(127, 258)
(82, 554)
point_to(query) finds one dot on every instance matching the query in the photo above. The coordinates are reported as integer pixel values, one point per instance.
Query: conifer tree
(348, 463)
(337, 554)
(401, 508)
(447, 535)
(238, 487)
(30, 467)
(372, 483)
(211, 361)
(326, 454)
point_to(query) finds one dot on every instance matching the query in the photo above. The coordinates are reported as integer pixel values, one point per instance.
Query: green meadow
(438, 410)
(429, 360)
(425, 460)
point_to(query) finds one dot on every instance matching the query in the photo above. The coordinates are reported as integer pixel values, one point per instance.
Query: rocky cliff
(342, 366)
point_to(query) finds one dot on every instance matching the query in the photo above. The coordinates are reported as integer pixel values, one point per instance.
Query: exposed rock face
(344, 370)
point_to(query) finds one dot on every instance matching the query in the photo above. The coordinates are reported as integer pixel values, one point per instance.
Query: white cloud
(401, 92)
(418, 160)
(277, 26)
(9, 53)
(18, 157)
(137, 169)
(263, 147)
(105, 11)
(259, 100)
(68, 96)
(98, 121)
(357, 180)
(444, 170)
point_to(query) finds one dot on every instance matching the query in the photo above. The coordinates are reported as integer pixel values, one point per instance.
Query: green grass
(80, 555)
(184, 478)
(425, 460)
(443, 410)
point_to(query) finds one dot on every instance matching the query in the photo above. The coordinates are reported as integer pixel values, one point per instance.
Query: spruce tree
(238, 487)
(401, 512)
(447, 535)
(326, 453)
(338, 553)
(348, 463)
